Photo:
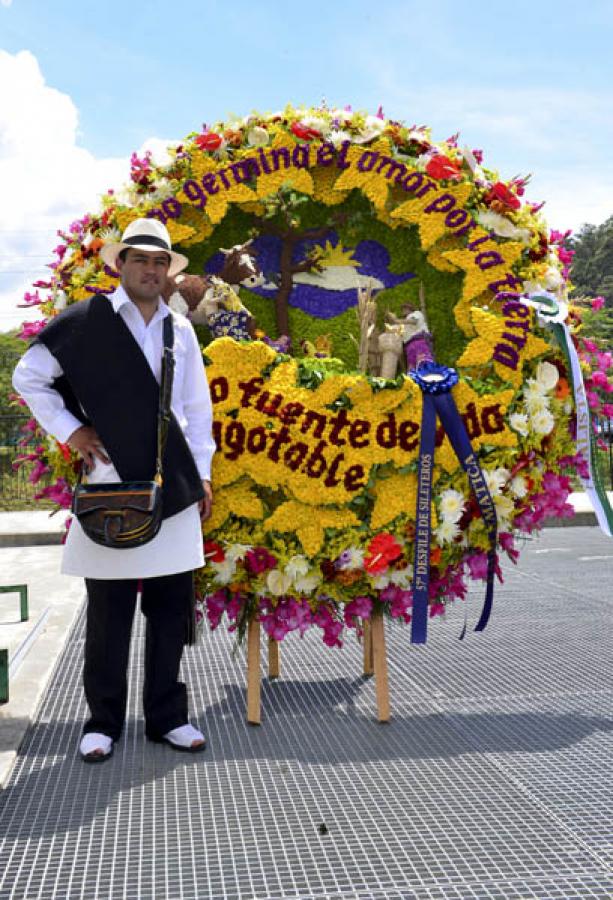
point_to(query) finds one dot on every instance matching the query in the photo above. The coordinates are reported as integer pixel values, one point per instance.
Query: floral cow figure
(213, 300)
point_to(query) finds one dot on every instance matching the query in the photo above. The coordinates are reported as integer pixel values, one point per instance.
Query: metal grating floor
(493, 780)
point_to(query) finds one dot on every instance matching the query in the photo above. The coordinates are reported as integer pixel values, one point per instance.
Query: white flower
(547, 375)
(552, 278)
(518, 486)
(278, 583)
(519, 423)
(372, 128)
(316, 122)
(502, 226)
(542, 422)
(504, 510)
(258, 136)
(534, 397)
(59, 300)
(536, 403)
(224, 571)
(338, 137)
(496, 479)
(447, 531)
(452, 505)
(356, 558)
(296, 567)
(237, 551)
(307, 584)
(533, 388)
(402, 577)
(381, 582)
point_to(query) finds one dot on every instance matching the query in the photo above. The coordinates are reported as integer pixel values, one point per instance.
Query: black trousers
(166, 602)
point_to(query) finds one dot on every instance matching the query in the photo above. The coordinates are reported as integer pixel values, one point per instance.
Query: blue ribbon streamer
(440, 403)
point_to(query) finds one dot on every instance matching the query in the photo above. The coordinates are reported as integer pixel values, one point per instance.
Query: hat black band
(148, 239)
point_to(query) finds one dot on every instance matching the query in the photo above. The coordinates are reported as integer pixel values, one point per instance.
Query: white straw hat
(145, 234)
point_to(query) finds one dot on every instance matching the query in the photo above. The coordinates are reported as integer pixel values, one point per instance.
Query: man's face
(143, 274)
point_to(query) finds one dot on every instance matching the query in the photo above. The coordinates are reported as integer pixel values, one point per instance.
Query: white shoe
(95, 747)
(186, 738)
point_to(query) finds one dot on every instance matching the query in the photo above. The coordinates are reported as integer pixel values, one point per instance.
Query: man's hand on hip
(87, 443)
(206, 504)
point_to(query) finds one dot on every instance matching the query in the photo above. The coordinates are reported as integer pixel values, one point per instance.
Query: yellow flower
(432, 225)
(394, 496)
(493, 344)
(293, 516)
(371, 181)
(477, 279)
(238, 499)
(269, 183)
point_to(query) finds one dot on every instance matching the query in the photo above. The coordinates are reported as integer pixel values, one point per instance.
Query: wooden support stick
(253, 673)
(367, 640)
(273, 658)
(380, 667)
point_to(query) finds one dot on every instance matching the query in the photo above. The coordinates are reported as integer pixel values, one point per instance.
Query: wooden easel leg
(367, 641)
(380, 667)
(273, 658)
(253, 673)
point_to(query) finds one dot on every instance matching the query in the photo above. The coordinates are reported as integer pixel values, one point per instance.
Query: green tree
(592, 269)
(11, 348)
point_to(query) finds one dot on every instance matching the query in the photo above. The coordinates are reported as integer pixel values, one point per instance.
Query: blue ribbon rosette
(436, 382)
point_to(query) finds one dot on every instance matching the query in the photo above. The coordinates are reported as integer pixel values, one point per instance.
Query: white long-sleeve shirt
(178, 545)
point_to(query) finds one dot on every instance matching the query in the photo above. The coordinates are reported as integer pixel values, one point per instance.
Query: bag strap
(168, 368)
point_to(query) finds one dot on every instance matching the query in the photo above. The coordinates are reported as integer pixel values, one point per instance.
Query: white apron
(177, 547)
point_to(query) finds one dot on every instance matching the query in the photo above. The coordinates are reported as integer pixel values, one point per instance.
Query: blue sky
(83, 85)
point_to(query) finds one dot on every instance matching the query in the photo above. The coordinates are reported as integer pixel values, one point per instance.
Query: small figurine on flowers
(213, 300)
(413, 328)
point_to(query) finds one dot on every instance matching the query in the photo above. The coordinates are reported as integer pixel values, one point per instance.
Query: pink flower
(593, 400)
(400, 602)
(558, 237)
(477, 565)
(31, 329)
(600, 379)
(565, 256)
(59, 493)
(215, 607)
(598, 303)
(259, 560)
(359, 608)
(288, 614)
(436, 609)
(607, 409)
(506, 542)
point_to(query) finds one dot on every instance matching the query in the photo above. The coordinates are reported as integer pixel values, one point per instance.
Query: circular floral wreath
(316, 471)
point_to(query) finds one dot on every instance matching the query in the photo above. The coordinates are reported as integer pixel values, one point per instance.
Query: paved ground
(493, 780)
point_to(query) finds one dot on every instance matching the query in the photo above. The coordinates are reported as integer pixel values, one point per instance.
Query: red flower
(503, 194)
(382, 550)
(213, 552)
(304, 132)
(64, 450)
(209, 141)
(442, 167)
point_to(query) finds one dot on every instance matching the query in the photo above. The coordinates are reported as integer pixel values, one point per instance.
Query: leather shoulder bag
(128, 514)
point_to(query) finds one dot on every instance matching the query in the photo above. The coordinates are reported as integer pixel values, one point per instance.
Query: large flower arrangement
(315, 475)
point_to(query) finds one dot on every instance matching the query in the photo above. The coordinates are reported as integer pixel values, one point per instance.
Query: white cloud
(5, 2)
(46, 179)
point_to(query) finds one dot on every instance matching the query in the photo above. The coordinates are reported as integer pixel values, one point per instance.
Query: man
(92, 380)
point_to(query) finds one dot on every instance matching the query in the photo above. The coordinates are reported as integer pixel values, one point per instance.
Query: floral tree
(319, 511)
